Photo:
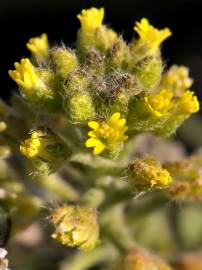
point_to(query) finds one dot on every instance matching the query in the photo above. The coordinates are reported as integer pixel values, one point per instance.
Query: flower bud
(149, 72)
(139, 259)
(36, 85)
(147, 174)
(75, 226)
(46, 150)
(39, 47)
(117, 55)
(177, 79)
(65, 61)
(150, 38)
(92, 33)
(79, 108)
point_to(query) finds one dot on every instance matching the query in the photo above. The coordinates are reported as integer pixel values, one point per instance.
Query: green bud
(94, 62)
(78, 81)
(146, 174)
(65, 61)
(46, 150)
(79, 108)
(76, 226)
(149, 72)
(117, 55)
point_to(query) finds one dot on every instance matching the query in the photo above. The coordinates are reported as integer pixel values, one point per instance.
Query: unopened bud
(76, 226)
(46, 150)
(146, 174)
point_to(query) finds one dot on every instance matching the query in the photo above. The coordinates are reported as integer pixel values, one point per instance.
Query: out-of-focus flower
(76, 226)
(39, 47)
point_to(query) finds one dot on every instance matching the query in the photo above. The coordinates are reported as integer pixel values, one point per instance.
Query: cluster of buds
(107, 84)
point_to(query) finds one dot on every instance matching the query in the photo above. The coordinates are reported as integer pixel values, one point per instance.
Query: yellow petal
(92, 142)
(93, 124)
(121, 122)
(92, 134)
(99, 148)
(114, 118)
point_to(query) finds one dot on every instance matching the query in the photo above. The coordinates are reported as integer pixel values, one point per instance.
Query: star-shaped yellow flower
(24, 74)
(106, 133)
(39, 46)
(151, 36)
(91, 18)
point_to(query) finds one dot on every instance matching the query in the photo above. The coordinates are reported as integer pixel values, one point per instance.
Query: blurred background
(22, 19)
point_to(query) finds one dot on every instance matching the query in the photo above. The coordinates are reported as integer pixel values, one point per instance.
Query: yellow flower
(150, 35)
(91, 19)
(160, 103)
(24, 75)
(106, 133)
(177, 79)
(188, 103)
(32, 146)
(39, 46)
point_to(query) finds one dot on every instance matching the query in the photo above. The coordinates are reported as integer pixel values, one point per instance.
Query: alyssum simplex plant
(83, 109)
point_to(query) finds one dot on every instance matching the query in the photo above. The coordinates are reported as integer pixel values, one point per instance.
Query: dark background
(22, 19)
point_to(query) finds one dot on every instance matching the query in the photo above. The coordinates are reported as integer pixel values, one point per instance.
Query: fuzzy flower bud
(36, 85)
(65, 61)
(177, 79)
(139, 259)
(107, 135)
(146, 174)
(148, 72)
(91, 19)
(24, 74)
(149, 36)
(92, 33)
(46, 150)
(76, 226)
(39, 47)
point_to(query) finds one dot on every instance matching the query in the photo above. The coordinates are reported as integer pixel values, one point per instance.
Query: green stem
(85, 260)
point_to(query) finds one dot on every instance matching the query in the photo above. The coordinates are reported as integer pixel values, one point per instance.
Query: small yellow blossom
(32, 146)
(39, 46)
(150, 35)
(107, 133)
(188, 103)
(24, 75)
(91, 19)
(177, 79)
(160, 103)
